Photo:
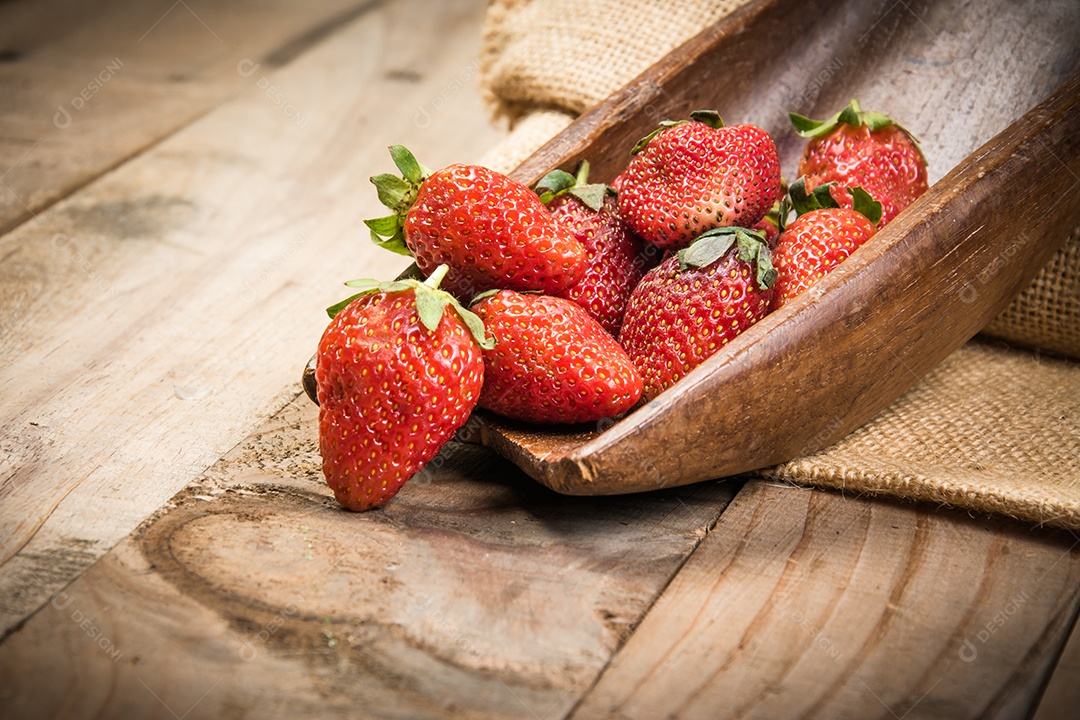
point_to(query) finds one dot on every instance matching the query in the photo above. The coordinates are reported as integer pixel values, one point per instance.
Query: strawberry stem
(709, 117)
(437, 276)
(559, 182)
(582, 173)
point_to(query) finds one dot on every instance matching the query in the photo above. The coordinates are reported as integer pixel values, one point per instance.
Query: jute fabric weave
(992, 428)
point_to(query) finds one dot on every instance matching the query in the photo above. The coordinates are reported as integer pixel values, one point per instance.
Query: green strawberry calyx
(709, 117)
(820, 198)
(398, 194)
(773, 215)
(559, 182)
(713, 244)
(431, 302)
(854, 116)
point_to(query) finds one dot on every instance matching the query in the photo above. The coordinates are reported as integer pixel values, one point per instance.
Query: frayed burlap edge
(921, 488)
(993, 429)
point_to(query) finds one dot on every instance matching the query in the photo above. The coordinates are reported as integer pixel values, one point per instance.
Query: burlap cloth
(995, 428)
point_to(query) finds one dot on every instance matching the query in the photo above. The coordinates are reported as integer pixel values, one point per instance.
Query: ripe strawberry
(694, 303)
(617, 258)
(552, 363)
(865, 149)
(820, 238)
(492, 231)
(688, 177)
(397, 376)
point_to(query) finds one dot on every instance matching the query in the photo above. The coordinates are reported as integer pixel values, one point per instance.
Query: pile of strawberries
(572, 302)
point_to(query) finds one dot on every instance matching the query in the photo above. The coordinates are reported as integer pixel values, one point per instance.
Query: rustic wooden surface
(840, 608)
(155, 318)
(88, 85)
(171, 551)
(841, 353)
(478, 593)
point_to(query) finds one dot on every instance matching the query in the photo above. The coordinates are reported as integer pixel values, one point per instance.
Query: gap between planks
(806, 603)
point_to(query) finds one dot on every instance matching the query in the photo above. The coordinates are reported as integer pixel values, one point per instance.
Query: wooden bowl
(960, 76)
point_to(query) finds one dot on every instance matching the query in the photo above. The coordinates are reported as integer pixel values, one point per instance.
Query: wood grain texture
(155, 318)
(808, 604)
(843, 351)
(476, 593)
(87, 85)
(151, 321)
(1061, 697)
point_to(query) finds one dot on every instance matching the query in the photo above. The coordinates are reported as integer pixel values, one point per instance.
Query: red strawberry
(492, 231)
(694, 303)
(617, 258)
(617, 183)
(552, 363)
(820, 238)
(397, 376)
(864, 149)
(688, 177)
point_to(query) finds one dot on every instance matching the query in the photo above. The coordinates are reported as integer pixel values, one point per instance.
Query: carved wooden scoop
(830, 360)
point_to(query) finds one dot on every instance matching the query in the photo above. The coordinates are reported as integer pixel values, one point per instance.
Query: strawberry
(820, 238)
(690, 176)
(865, 149)
(397, 376)
(552, 363)
(617, 258)
(491, 230)
(694, 303)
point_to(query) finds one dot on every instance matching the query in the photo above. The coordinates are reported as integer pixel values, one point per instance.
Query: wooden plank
(86, 85)
(805, 603)
(1061, 697)
(155, 318)
(476, 593)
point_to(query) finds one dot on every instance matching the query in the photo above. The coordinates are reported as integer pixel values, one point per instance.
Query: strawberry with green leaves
(617, 258)
(492, 231)
(820, 238)
(688, 177)
(552, 362)
(695, 302)
(865, 149)
(770, 225)
(399, 370)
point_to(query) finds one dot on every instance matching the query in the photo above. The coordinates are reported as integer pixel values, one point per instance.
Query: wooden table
(182, 189)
